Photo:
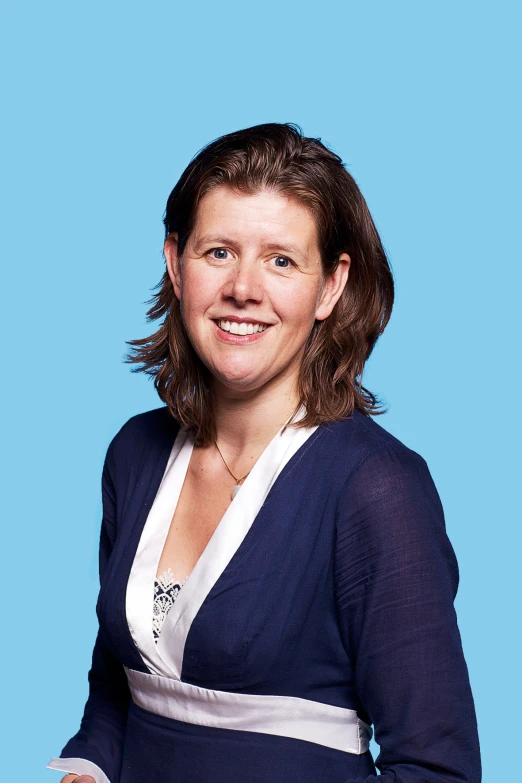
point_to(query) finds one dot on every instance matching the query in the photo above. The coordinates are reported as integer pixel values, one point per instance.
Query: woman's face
(251, 285)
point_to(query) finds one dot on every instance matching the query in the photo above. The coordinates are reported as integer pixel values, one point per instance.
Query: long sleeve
(96, 748)
(396, 580)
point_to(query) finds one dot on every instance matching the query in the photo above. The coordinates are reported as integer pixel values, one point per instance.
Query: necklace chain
(238, 481)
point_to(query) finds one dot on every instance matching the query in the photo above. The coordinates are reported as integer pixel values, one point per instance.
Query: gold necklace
(238, 481)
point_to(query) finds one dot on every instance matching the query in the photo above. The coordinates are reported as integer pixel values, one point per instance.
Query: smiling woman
(265, 216)
(276, 581)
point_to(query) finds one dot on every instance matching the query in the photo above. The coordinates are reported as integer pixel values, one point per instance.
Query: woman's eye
(282, 262)
(219, 253)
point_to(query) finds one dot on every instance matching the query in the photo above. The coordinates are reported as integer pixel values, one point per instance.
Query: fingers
(73, 778)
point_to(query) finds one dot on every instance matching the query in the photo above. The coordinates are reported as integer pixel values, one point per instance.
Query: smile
(241, 327)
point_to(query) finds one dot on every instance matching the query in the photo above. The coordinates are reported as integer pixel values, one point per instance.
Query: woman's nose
(244, 282)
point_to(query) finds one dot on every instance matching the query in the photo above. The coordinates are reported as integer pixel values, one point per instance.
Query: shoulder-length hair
(278, 157)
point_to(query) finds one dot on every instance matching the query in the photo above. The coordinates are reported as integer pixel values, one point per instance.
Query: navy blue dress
(340, 594)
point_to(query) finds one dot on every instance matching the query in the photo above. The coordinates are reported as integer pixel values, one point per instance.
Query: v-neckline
(165, 657)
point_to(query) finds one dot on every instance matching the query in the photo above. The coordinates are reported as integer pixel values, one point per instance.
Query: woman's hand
(77, 779)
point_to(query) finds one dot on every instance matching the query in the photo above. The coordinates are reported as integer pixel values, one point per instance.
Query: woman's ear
(333, 288)
(170, 250)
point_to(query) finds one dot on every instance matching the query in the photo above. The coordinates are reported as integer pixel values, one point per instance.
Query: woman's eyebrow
(213, 239)
(282, 248)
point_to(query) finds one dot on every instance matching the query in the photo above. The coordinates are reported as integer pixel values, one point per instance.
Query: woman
(276, 578)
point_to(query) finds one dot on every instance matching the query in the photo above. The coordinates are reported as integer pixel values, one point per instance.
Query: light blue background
(105, 104)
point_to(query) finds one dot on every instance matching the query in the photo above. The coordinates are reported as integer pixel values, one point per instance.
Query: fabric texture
(342, 592)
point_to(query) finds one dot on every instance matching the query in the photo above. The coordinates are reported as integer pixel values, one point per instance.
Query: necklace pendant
(237, 487)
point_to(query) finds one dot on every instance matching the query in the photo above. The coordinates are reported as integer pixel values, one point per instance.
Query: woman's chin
(244, 380)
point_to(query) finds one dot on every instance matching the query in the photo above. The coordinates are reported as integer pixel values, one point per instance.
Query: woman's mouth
(239, 332)
(241, 327)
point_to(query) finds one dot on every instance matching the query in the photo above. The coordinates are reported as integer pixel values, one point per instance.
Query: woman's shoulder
(144, 432)
(361, 438)
(382, 470)
(156, 422)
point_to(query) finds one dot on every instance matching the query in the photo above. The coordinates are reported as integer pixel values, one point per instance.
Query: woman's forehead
(267, 216)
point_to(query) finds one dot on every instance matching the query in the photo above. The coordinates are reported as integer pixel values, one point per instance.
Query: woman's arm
(96, 749)
(396, 580)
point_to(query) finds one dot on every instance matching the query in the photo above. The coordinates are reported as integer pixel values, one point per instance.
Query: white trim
(283, 716)
(77, 766)
(140, 587)
(166, 656)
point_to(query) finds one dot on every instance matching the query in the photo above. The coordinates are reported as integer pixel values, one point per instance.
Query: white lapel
(140, 587)
(166, 656)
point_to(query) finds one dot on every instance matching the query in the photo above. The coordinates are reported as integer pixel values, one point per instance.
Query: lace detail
(166, 590)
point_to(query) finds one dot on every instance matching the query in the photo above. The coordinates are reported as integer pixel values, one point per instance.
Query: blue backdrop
(105, 103)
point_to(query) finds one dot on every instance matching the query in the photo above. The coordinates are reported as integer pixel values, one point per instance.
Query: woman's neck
(250, 422)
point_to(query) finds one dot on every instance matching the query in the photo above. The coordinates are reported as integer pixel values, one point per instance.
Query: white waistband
(284, 716)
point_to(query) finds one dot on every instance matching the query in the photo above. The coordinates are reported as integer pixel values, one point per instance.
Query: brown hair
(278, 157)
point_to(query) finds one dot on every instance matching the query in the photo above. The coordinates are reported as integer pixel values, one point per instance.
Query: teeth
(243, 327)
